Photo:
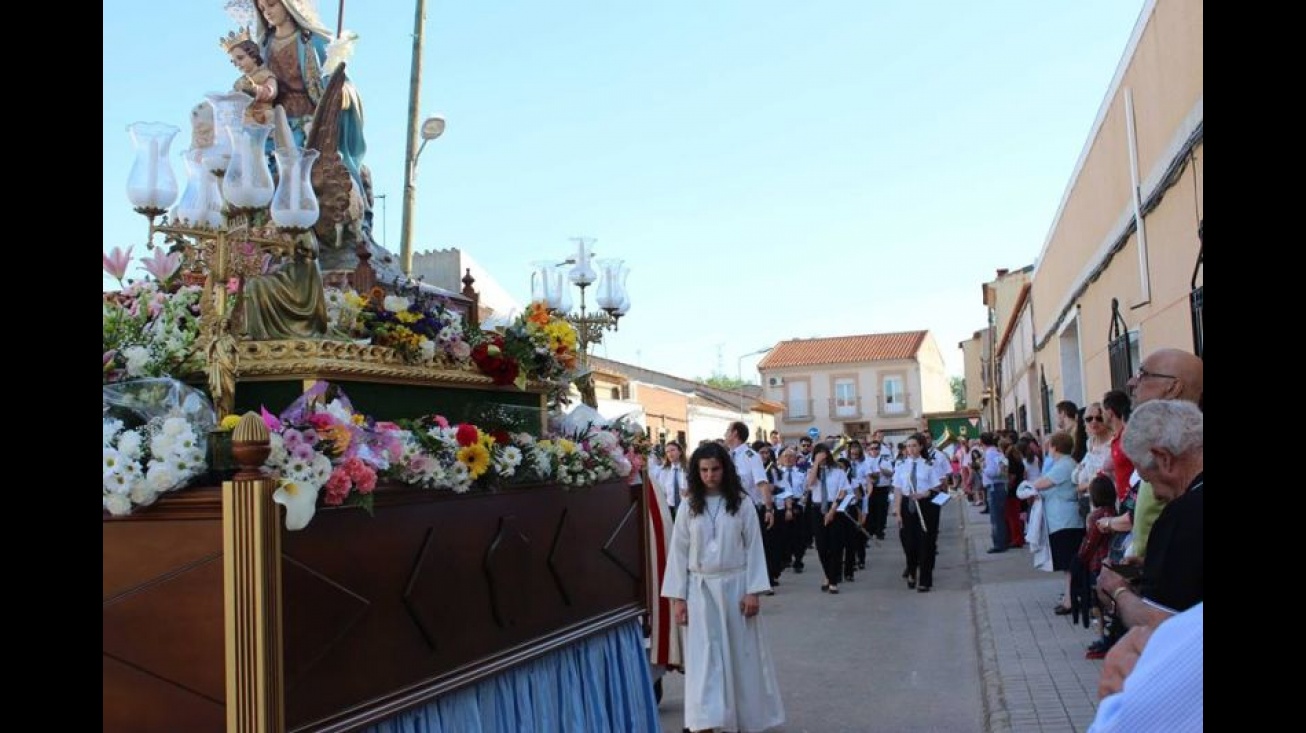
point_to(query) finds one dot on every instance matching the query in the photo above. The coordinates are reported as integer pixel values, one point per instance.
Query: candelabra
(549, 284)
(229, 194)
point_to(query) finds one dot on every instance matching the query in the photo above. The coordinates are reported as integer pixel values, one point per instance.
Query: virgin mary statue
(294, 42)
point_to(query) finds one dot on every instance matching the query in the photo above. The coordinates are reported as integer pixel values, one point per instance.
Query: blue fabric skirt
(597, 685)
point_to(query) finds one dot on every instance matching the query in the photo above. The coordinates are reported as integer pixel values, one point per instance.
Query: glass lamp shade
(581, 273)
(294, 205)
(564, 292)
(624, 306)
(228, 115)
(201, 200)
(151, 184)
(544, 284)
(247, 184)
(609, 284)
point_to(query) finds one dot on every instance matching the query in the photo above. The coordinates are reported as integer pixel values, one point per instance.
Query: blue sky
(769, 170)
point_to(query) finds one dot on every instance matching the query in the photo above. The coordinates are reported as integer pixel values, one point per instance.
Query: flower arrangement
(152, 440)
(536, 346)
(492, 358)
(320, 444)
(416, 323)
(150, 330)
(437, 455)
(591, 456)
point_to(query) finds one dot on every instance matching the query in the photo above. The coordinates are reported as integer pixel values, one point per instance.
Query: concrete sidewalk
(1033, 671)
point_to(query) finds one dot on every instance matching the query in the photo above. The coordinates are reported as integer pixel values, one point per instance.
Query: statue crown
(232, 39)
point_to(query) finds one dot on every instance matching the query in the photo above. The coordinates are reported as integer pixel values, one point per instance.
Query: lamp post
(549, 285)
(431, 129)
(741, 376)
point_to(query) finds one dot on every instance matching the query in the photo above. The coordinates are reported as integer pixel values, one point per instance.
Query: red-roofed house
(852, 385)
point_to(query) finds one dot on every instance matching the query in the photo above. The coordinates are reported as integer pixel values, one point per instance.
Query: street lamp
(741, 376)
(431, 129)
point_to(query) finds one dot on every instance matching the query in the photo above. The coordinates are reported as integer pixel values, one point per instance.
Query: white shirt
(876, 466)
(902, 477)
(939, 471)
(748, 464)
(836, 484)
(671, 480)
(791, 480)
(1164, 691)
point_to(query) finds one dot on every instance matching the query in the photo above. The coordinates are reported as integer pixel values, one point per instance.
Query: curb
(996, 718)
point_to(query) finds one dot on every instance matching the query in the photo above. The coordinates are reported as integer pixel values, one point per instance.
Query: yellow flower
(485, 439)
(477, 459)
(355, 300)
(229, 422)
(407, 317)
(359, 419)
(338, 435)
(567, 447)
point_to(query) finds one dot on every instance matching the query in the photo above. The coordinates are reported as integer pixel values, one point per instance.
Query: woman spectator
(1117, 408)
(1061, 508)
(1097, 457)
(671, 475)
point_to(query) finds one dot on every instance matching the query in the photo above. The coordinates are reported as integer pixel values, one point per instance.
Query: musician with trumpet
(916, 482)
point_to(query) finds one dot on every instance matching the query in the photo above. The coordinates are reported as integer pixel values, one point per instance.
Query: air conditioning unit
(775, 381)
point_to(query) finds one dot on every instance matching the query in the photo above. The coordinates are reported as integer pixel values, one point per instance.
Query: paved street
(981, 652)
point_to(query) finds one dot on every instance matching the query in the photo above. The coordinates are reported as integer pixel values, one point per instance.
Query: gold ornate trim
(251, 543)
(348, 361)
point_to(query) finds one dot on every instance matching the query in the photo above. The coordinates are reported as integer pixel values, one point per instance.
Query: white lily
(300, 501)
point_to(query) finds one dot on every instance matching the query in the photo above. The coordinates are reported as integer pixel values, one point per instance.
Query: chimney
(1002, 272)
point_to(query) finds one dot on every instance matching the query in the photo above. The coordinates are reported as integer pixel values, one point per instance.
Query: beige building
(1004, 296)
(1119, 275)
(974, 354)
(852, 385)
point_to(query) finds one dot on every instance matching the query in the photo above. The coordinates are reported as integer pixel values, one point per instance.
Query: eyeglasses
(1144, 374)
(1094, 418)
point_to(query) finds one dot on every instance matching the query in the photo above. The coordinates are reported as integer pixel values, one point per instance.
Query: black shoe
(906, 574)
(994, 550)
(861, 566)
(911, 582)
(923, 589)
(848, 577)
(798, 568)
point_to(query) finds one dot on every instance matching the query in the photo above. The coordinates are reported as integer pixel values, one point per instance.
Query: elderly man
(1166, 374)
(1164, 440)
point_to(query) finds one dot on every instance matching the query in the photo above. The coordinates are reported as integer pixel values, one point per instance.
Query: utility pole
(410, 156)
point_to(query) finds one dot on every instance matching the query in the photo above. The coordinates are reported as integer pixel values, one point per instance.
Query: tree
(721, 381)
(958, 392)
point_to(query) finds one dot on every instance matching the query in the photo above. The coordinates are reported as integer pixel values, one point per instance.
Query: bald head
(1168, 374)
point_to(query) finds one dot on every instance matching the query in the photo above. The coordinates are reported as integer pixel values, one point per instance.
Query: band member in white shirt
(752, 475)
(670, 475)
(916, 482)
(880, 476)
(854, 557)
(826, 487)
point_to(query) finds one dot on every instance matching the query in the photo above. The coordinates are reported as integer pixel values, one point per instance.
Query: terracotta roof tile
(844, 349)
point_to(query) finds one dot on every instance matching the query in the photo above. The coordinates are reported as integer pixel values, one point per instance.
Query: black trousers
(772, 543)
(879, 510)
(854, 545)
(800, 536)
(829, 545)
(920, 545)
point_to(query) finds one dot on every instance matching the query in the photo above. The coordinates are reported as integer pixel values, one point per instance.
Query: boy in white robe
(715, 571)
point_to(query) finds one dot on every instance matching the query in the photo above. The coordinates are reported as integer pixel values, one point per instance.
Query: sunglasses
(1094, 418)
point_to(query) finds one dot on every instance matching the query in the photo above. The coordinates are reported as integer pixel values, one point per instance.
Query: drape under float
(597, 685)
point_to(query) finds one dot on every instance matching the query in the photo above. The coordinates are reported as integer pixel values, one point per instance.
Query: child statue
(257, 80)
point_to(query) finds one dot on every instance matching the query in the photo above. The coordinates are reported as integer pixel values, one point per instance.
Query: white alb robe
(730, 682)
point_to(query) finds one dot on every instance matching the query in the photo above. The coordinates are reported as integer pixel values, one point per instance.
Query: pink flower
(321, 421)
(337, 487)
(116, 263)
(461, 350)
(162, 265)
(270, 420)
(439, 420)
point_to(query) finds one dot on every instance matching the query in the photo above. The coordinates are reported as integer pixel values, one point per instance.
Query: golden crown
(233, 38)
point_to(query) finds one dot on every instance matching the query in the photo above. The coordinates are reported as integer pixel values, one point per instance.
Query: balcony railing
(799, 411)
(883, 408)
(843, 409)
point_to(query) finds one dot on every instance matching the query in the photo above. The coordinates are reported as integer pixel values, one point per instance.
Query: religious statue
(256, 79)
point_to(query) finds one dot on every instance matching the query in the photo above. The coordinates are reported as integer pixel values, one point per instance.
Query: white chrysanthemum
(162, 445)
(459, 479)
(161, 477)
(427, 349)
(117, 481)
(117, 504)
(321, 469)
(129, 446)
(396, 303)
(176, 427)
(510, 455)
(138, 360)
(111, 429)
(143, 494)
(623, 466)
(113, 460)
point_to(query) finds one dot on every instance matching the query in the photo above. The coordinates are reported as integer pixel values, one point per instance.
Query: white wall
(707, 422)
